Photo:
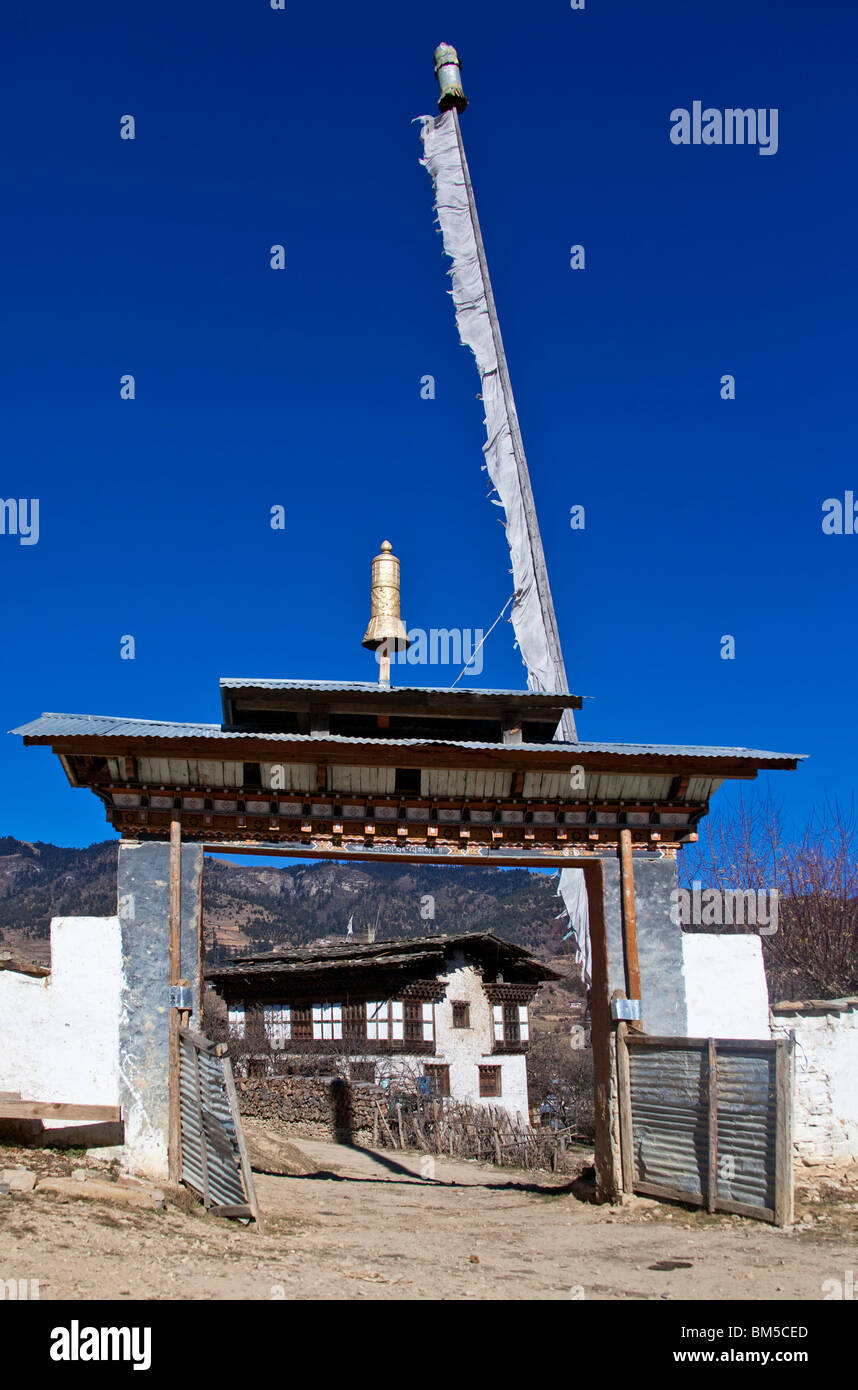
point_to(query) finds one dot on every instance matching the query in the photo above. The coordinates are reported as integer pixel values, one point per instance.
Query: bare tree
(814, 951)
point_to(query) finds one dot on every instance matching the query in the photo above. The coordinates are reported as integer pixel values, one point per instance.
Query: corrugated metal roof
(101, 726)
(535, 697)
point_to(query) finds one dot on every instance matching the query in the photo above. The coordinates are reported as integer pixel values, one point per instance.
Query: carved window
(439, 1079)
(490, 1082)
(461, 1015)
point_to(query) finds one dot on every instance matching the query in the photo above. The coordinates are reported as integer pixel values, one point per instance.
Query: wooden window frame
(438, 1072)
(277, 1025)
(464, 1013)
(490, 1076)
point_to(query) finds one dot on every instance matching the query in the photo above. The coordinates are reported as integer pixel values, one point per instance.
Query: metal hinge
(625, 1008)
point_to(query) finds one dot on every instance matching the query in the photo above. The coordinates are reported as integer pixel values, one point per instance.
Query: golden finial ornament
(386, 632)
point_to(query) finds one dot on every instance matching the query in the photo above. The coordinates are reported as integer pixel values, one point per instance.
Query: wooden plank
(235, 1210)
(784, 1195)
(625, 1098)
(385, 1126)
(712, 1127)
(702, 1044)
(246, 1170)
(58, 1110)
(174, 1147)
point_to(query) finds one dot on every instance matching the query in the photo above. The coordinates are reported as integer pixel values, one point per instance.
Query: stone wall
(825, 1116)
(143, 881)
(317, 1107)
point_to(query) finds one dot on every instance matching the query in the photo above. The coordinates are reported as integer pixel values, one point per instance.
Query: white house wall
(725, 986)
(61, 1032)
(466, 1049)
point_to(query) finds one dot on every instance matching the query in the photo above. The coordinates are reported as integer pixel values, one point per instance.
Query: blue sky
(257, 387)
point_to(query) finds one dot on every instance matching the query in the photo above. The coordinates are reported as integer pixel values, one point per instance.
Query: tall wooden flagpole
(447, 69)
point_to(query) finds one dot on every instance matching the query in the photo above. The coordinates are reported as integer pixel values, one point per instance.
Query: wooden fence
(488, 1133)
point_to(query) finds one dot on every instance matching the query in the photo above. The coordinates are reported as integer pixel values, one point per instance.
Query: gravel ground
(381, 1225)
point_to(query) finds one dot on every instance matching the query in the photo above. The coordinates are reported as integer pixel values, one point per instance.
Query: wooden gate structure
(213, 1155)
(708, 1121)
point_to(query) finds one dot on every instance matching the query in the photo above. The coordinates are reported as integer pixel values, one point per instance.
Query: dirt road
(381, 1225)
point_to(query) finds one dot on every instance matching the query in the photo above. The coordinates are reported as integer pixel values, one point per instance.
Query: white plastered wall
(725, 986)
(60, 1033)
(825, 1115)
(466, 1049)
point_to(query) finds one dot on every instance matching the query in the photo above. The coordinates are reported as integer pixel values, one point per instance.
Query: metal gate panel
(747, 1120)
(669, 1134)
(214, 1157)
(708, 1121)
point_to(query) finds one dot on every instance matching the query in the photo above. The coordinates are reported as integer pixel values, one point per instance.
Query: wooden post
(712, 1146)
(784, 1200)
(608, 1181)
(244, 1157)
(630, 930)
(174, 1155)
(399, 1124)
(439, 1148)
(201, 946)
(624, 1086)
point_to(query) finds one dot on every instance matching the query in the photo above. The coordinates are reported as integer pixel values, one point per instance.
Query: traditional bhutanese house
(447, 1010)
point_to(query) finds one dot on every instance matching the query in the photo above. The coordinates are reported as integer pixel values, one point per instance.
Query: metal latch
(181, 997)
(625, 1008)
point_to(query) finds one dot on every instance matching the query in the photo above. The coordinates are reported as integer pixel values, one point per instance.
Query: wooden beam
(58, 1110)
(608, 1182)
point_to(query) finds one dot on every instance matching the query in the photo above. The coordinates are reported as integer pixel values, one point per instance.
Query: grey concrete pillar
(663, 1001)
(143, 876)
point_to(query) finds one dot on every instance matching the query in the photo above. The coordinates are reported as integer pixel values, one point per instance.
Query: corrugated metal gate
(214, 1157)
(708, 1121)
